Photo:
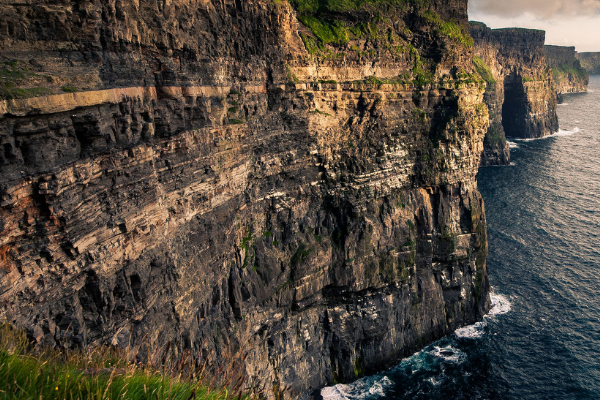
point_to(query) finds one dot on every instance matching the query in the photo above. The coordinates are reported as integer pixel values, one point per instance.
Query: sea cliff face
(520, 94)
(209, 172)
(590, 62)
(569, 76)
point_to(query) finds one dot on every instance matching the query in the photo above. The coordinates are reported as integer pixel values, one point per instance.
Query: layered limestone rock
(590, 62)
(209, 172)
(569, 76)
(520, 94)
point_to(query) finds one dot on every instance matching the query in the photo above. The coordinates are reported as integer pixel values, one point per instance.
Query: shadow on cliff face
(514, 108)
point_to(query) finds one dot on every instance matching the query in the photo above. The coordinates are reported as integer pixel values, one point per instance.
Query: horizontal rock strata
(196, 173)
(590, 62)
(521, 94)
(569, 76)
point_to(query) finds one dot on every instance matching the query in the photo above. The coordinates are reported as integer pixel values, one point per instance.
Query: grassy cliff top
(345, 6)
(107, 373)
(382, 24)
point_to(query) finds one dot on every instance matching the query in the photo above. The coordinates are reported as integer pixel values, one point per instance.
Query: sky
(566, 22)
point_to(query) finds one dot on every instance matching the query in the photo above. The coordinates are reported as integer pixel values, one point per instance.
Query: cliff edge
(569, 76)
(293, 177)
(520, 90)
(590, 62)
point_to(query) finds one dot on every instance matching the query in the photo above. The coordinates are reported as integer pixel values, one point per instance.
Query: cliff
(205, 172)
(569, 76)
(590, 62)
(520, 92)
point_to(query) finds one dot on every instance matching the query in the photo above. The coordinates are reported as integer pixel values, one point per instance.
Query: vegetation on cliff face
(159, 214)
(568, 74)
(376, 29)
(12, 76)
(565, 70)
(332, 6)
(590, 62)
(379, 22)
(483, 70)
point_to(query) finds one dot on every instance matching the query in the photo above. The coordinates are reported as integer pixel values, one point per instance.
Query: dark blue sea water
(542, 339)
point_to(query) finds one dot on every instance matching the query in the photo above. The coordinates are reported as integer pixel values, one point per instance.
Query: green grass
(419, 114)
(334, 32)
(323, 18)
(104, 374)
(346, 6)
(9, 92)
(483, 70)
(569, 69)
(312, 46)
(12, 77)
(494, 136)
(317, 111)
(337, 22)
(69, 89)
(450, 29)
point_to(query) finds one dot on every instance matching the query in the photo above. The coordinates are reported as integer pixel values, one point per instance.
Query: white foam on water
(563, 104)
(374, 386)
(379, 386)
(449, 354)
(367, 387)
(434, 381)
(474, 331)
(512, 145)
(332, 393)
(500, 305)
(561, 132)
(567, 133)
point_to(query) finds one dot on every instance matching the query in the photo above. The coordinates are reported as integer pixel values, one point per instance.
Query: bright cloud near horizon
(566, 22)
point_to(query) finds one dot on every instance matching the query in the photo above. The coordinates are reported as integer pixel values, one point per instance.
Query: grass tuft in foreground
(106, 373)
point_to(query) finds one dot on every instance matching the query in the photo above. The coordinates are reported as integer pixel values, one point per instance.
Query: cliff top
(561, 48)
(529, 37)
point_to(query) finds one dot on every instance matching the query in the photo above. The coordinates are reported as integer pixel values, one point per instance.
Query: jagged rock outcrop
(213, 171)
(520, 95)
(569, 76)
(590, 62)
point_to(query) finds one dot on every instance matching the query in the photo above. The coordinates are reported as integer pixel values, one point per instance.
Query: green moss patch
(13, 77)
(565, 70)
(483, 70)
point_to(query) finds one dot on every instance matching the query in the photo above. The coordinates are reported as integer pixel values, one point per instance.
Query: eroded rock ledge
(215, 181)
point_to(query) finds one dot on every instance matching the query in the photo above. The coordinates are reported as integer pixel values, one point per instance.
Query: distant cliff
(297, 177)
(569, 76)
(520, 91)
(590, 62)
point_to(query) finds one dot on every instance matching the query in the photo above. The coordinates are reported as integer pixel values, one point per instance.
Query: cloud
(544, 9)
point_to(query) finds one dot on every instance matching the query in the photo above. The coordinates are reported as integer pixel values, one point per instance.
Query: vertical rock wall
(590, 62)
(209, 171)
(569, 76)
(522, 96)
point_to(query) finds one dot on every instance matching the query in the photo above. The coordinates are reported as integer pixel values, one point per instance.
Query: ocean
(542, 338)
